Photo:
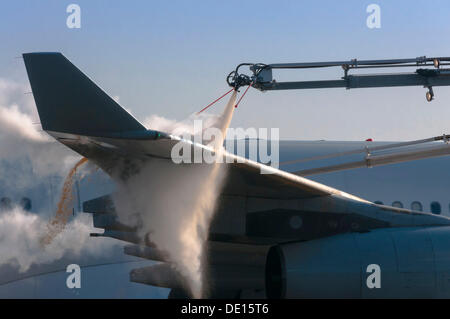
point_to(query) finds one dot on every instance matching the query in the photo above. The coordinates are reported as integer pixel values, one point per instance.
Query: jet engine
(383, 263)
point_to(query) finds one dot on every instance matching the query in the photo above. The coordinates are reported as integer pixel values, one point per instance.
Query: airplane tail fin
(68, 101)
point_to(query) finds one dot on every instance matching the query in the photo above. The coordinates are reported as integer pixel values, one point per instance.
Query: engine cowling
(413, 263)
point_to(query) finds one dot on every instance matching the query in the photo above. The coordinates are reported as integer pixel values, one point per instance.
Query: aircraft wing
(76, 112)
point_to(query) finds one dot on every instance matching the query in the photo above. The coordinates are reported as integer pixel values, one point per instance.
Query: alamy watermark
(259, 145)
(73, 20)
(74, 279)
(374, 279)
(374, 19)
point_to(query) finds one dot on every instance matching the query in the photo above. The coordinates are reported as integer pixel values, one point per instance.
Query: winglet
(68, 101)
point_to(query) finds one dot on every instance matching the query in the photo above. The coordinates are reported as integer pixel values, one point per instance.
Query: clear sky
(171, 57)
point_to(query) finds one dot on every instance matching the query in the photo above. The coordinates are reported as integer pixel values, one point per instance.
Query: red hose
(214, 102)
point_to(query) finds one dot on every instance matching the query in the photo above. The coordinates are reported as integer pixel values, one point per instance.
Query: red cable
(214, 102)
(242, 96)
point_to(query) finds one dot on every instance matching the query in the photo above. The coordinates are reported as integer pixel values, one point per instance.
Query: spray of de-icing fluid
(204, 207)
(177, 202)
(64, 209)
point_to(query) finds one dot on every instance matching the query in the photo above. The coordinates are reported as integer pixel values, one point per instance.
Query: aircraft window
(417, 206)
(25, 203)
(5, 203)
(379, 202)
(397, 204)
(435, 208)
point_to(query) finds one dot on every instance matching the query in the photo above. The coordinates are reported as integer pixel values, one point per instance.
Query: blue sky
(171, 57)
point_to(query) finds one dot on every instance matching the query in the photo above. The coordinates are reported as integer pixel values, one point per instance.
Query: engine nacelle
(383, 263)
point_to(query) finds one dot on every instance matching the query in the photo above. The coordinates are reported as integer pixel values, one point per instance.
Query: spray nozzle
(237, 80)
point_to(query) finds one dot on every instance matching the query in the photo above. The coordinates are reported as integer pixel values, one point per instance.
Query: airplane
(344, 231)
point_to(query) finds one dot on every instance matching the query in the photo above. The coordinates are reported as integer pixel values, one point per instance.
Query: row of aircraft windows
(435, 207)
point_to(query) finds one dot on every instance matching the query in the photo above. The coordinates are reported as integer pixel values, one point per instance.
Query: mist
(21, 231)
(28, 159)
(176, 203)
(27, 154)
